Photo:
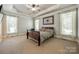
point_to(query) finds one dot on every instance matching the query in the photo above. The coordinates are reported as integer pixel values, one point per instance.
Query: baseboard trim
(66, 38)
(13, 35)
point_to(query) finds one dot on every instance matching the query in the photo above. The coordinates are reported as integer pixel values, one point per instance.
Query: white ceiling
(24, 9)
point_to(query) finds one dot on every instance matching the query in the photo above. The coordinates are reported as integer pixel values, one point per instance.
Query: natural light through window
(36, 25)
(11, 24)
(68, 23)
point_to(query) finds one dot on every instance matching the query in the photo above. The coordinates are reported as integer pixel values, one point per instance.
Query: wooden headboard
(48, 27)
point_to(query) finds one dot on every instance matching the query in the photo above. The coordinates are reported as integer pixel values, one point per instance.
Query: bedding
(42, 35)
(46, 34)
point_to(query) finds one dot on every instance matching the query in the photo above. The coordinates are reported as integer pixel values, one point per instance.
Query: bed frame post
(39, 41)
(27, 34)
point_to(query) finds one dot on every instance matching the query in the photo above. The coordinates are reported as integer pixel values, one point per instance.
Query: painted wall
(78, 22)
(56, 24)
(0, 29)
(24, 23)
(1, 16)
(4, 28)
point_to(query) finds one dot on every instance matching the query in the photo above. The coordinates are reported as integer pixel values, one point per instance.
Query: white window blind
(68, 23)
(36, 25)
(11, 24)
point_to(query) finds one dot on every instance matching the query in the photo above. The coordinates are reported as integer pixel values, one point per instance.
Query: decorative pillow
(43, 29)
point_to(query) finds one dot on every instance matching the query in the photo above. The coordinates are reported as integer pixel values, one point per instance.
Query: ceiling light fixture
(33, 7)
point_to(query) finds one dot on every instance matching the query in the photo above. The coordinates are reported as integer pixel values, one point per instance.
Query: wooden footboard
(35, 35)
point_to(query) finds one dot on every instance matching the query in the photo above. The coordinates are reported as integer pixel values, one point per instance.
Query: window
(36, 25)
(11, 24)
(68, 23)
(1, 15)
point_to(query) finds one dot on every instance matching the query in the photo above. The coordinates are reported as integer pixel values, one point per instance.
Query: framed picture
(48, 20)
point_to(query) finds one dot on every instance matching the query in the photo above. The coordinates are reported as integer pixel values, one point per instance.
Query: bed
(42, 35)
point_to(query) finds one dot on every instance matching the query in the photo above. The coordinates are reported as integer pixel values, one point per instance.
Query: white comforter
(45, 35)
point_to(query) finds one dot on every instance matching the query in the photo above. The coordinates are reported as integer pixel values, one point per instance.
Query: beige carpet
(22, 45)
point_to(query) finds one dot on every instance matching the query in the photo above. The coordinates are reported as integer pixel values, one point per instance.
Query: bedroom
(14, 33)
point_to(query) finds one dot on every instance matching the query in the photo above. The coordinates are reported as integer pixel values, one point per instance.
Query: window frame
(35, 25)
(72, 21)
(7, 24)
